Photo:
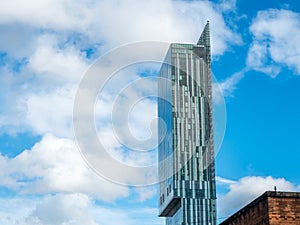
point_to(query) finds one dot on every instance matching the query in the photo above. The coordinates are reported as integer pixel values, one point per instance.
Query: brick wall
(256, 213)
(284, 210)
(271, 208)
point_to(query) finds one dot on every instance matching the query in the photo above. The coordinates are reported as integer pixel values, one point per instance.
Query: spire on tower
(205, 41)
(204, 38)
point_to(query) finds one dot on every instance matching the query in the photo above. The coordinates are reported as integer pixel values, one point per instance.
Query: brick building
(271, 208)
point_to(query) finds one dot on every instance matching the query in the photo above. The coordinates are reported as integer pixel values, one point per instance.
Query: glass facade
(187, 194)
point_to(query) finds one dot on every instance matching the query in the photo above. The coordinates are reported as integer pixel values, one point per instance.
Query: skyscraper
(187, 194)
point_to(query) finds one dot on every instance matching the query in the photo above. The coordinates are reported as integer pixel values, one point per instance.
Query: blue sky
(46, 48)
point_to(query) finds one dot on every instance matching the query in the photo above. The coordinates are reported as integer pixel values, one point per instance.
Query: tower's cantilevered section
(187, 194)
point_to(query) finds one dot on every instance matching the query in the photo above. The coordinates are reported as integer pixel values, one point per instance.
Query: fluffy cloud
(55, 64)
(47, 45)
(52, 51)
(247, 189)
(65, 209)
(55, 165)
(273, 47)
(131, 109)
(145, 193)
(115, 22)
(275, 33)
(71, 209)
(55, 14)
(226, 87)
(50, 112)
(39, 91)
(123, 114)
(174, 21)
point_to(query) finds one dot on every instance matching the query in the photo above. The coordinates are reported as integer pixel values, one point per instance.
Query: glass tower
(187, 193)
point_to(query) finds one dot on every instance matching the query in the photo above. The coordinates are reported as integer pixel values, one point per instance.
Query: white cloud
(115, 22)
(226, 87)
(52, 48)
(12, 110)
(72, 209)
(246, 189)
(146, 193)
(65, 209)
(39, 98)
(227, 5)
(126, 122)
(55, 165)
(49, 37)
(221, 180)
(275, 34)
(14, 210)
(258, 59)
(52, 64)
(50, 112)
(17, 40)
(55, 14)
